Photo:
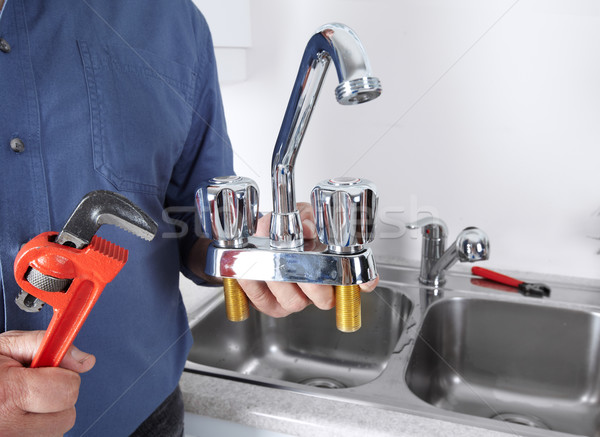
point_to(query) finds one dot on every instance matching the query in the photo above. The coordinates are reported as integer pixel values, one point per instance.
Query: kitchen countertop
(303, 414)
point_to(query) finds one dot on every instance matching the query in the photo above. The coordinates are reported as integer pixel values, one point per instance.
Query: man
(123, 96)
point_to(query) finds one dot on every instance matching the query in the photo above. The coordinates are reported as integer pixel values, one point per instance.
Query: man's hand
(278, 299)
(37, 402)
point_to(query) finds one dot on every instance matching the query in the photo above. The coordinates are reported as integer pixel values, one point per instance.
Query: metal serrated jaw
(105, 207)
(32, 304)
(144, 232)
(28, 303)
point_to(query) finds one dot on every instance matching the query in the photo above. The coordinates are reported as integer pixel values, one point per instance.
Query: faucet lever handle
(431, 227)
(345, 209)
(472, 245)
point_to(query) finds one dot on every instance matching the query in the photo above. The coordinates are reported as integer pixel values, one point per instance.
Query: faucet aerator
(356, 91)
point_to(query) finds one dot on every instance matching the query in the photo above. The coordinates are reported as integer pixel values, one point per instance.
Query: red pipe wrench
(69, 270)
(525, 288)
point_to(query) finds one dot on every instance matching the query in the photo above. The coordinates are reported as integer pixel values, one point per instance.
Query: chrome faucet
(471, 245)
(344, 207)
(332, 42)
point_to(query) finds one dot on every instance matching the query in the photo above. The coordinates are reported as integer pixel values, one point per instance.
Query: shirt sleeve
(207, 152)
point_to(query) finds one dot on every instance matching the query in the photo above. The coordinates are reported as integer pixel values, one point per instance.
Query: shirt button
(17, 145)
(4, 46)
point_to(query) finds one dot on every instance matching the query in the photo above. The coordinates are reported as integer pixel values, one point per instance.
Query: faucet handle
(473, 245)
(345, 217)
(345, 209)
(431, 227)
(228, 208)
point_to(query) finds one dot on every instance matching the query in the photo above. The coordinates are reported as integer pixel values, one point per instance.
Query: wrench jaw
(28, 303)
(534, 289)
(105, 207)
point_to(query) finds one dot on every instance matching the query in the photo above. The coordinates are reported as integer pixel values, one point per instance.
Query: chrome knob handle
(345, 211)
(228, 209)
(472, 245)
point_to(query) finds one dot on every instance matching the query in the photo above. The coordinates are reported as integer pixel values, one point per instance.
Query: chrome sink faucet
(344, 207)
(471, 245)
(331, 43)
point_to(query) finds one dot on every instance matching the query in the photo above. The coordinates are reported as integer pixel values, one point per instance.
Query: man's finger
(261, 297)
(369, 286)
(43, 390)
(52, 424)
(263, 225)
(289, 295)
(308, 220)
(322, 296)
(21, 346)
(78, 361)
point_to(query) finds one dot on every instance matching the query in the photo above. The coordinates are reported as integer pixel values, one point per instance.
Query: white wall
(490, 116)
(230, 27)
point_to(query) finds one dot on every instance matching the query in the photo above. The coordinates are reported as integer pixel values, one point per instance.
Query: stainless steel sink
(304, 347)
(464, 353)
(532, 365)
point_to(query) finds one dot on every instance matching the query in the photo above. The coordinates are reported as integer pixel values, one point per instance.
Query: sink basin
(466, 353)
(304, 347)
(521, 363)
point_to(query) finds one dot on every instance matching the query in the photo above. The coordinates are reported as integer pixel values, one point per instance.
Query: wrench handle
(65, 324)
(495, 276)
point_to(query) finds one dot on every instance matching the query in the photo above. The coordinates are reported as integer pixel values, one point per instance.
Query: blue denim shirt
(123, 96)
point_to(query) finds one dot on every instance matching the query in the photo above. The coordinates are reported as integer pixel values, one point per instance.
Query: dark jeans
(166, 420)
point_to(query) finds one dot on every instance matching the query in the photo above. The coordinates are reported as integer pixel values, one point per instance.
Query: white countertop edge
(300, 415)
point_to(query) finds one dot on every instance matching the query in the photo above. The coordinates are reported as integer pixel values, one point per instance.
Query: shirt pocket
(141, 112)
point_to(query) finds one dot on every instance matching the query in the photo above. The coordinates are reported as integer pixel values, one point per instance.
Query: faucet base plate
(310, 263)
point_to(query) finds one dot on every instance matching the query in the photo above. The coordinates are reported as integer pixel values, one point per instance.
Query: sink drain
(323, 383)
(521, 419)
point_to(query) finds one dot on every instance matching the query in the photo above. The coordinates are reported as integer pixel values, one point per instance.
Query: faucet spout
(331, 43)
(471, 245)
